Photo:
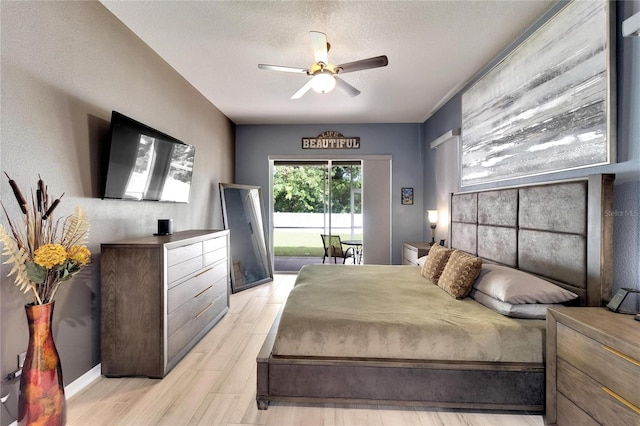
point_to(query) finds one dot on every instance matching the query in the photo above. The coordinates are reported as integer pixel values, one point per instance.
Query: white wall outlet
(21, 357)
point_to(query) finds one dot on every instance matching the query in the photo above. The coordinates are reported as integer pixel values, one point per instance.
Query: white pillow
(524, 310)
(516, 287)
(421, 261)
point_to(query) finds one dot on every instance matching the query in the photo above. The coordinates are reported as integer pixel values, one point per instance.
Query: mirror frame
(225, 218)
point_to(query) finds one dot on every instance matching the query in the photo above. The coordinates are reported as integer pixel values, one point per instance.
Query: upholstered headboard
(561, 231)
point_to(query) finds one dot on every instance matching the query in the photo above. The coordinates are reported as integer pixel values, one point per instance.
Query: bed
(342, 338)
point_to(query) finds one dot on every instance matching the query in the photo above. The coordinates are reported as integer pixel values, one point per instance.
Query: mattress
(392, 312)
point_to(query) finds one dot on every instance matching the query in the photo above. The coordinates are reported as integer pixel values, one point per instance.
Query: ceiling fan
(325, 74)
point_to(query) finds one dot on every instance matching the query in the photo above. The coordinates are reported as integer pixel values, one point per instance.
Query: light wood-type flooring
(215, 384)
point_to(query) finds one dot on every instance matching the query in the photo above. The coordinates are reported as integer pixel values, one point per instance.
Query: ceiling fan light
(323, 82)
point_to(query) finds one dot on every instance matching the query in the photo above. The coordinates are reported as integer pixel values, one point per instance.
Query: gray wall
(254, 144)
(627, 170)
(65, 66)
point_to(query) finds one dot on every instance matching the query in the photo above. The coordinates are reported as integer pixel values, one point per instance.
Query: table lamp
(433, 220)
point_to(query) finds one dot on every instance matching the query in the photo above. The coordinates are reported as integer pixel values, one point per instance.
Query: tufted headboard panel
(464, 213)
(560, 231)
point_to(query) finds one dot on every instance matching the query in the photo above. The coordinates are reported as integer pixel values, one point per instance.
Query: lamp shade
(323, 82)
(433, 216)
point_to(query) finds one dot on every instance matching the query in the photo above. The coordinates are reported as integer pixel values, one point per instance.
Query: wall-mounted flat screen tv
(146, 164)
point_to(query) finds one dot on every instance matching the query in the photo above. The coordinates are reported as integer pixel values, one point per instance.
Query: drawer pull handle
(204, 291)
(621, 399)
(621, 355)
(206, 308)
(203, 272)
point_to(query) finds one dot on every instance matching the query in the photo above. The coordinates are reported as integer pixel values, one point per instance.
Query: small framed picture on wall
(407, 195)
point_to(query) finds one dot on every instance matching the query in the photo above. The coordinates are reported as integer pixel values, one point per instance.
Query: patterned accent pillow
(460, 272)
(435, 262)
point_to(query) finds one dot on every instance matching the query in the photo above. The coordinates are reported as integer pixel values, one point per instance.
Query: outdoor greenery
(302, 243)
(301, 189)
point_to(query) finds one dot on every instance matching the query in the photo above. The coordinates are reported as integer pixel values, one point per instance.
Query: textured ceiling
(433, 47)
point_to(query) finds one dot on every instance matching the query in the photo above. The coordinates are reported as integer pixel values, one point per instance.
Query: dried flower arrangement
(40, 261)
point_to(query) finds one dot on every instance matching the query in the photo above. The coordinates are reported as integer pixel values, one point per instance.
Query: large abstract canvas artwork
(545, 107)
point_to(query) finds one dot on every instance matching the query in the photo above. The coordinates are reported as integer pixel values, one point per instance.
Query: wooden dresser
(160, 296)
(593, 367)
(412, 251)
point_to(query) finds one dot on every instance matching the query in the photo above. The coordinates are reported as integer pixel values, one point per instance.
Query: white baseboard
(82, 382)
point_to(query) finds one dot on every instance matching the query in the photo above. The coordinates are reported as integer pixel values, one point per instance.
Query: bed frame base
(469, 385)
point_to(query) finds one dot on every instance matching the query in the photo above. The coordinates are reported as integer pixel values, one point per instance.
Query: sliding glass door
(310, 199)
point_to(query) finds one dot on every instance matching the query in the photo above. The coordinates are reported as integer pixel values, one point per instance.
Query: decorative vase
(41, 400)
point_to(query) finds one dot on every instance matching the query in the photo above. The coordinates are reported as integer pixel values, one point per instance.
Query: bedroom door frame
(376, 201)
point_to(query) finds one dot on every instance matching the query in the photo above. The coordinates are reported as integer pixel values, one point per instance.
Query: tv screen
(146, 164)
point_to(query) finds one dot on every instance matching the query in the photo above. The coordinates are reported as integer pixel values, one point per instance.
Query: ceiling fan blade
(319, 44)
(363, 64)
(304, 89)
(281, 68)
(346, 87)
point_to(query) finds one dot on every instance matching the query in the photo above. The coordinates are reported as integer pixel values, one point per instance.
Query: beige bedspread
(391, 311)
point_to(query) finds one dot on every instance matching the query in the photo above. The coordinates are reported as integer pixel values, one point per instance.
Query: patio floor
(293, 264)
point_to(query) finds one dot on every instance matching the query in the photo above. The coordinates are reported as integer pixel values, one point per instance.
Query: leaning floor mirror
(242, 216)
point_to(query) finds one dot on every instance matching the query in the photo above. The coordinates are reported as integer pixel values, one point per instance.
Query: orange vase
(41, 400)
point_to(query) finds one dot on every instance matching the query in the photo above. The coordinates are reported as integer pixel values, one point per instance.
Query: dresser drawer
(570, 414)
(183, 269)
(192, 307)
(215, 256)
(409, 255)
(215, 244)
(614, 370)
(592, 397)
(185, 312)
(180, 254)
(191, 288)
(185, 334)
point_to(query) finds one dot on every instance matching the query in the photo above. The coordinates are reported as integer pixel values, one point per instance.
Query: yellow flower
(50, 255)
(79, 254)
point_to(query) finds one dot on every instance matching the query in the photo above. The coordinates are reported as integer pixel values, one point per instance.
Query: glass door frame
(340, 217)
(388, 237)
(328, 205)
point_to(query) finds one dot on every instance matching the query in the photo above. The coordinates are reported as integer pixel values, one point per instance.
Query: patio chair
(333, 248)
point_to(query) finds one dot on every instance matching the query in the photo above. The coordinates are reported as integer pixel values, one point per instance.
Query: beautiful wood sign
(331, 140)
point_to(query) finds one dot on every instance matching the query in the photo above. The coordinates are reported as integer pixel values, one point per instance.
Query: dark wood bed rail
(471, 385)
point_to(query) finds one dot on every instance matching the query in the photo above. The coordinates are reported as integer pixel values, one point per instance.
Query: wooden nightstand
(593, 367)
(412, 251)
